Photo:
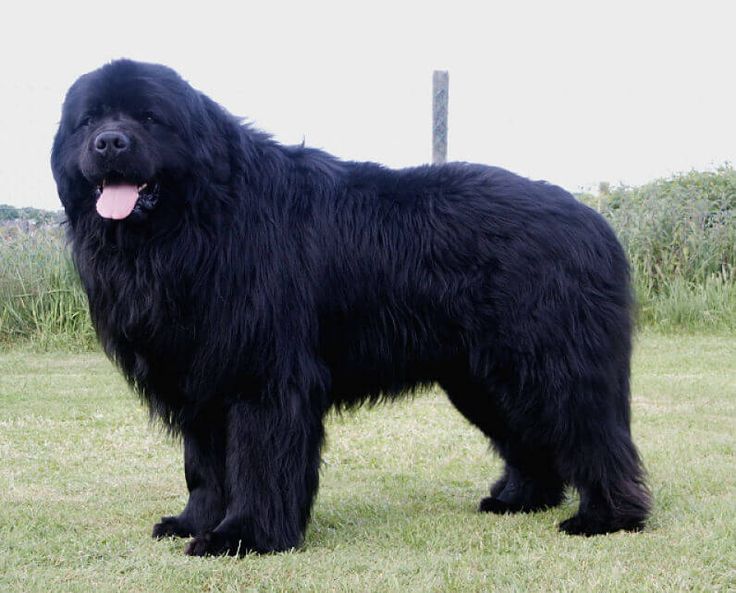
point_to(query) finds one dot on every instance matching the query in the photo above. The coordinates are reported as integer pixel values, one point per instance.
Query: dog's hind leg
(601, 461)
(530, 481)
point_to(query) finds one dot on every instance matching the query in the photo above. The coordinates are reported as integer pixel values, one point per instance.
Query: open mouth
(118, 199)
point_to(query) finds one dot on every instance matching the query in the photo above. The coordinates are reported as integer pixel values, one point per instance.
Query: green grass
(682, 306)
(83, 477)
(42, 303)
(680, 236)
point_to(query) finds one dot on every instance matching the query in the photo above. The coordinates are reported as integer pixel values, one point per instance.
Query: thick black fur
(262, 285)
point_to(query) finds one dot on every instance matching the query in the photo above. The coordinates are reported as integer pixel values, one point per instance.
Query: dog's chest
(138, 302)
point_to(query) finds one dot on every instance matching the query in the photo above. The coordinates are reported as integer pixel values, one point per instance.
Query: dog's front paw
(491, 504)
(171, 527)
(213, 543)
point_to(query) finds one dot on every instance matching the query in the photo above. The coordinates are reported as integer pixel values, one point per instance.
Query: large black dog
(245, 288)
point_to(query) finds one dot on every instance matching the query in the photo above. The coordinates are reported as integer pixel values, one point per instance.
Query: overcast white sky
(571, 92)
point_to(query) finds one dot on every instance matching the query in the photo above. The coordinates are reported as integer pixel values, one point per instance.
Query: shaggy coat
(253, 286)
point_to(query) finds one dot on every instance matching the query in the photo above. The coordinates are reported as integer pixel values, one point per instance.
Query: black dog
(245, 287)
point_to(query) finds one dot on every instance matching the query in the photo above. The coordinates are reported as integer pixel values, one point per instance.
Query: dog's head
(132, 136)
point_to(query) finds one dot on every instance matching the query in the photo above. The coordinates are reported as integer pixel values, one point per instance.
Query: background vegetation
(41, 298)
(680, 235)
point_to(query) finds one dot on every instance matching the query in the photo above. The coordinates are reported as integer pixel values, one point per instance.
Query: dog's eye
(149, 117)
(85, 121)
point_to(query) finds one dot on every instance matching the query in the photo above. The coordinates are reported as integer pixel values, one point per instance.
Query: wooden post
(440, 95)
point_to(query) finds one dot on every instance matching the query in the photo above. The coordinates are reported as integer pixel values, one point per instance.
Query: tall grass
(680, 235)
(41, 298)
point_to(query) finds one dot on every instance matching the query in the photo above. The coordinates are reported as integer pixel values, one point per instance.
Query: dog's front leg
(272, 472)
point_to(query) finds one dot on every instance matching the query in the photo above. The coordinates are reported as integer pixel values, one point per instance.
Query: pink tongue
(117, 201)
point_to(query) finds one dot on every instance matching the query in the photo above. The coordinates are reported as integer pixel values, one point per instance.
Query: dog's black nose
(110, 144)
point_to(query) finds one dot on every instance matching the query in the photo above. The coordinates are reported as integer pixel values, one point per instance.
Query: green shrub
(680, 236)
(678, 228)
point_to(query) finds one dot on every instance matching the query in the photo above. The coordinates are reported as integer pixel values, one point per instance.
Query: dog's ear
(214, 139)
(69, 180)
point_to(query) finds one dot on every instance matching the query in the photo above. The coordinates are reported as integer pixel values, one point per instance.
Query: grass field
(83, 477)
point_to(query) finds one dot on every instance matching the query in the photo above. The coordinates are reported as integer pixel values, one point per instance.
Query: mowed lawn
(83, 477)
